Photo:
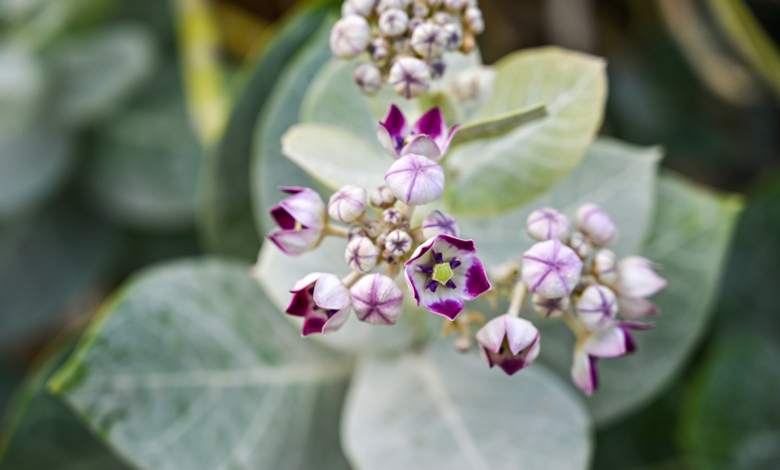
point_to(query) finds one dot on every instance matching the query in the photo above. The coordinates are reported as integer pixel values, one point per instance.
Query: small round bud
(391, 216)
(368, 78)
(398, 243)
(550, 308)
(379, 49)
(380, 240)
(393, 22)
(546, 224)
(361, 255)
(410, 77)
(420, 10)
(454, 5)
(473, 17)
(356, 231)
(453, 35)
(604, 267)
(348, 204)
(349, 37)
(438, 66)
(375, 228)
(597, 307)
(439, 223)
(441, 18)
(638, 277)
(357, 7)
(377, 300)
(551, 269)
(428, 41)
(382, 197)
(468, 44)
(580, 244)
(595, 224)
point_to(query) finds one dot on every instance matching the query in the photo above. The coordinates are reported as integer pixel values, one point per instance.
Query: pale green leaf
(498, 125)
(491, 176)
(191, 367)
(438, 409)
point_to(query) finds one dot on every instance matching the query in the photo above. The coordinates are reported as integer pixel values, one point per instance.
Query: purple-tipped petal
(306, 207)
(388, 142)
(296, 242)
(422, 145)
(583, 372)
(431, 123)
(444, 145)
(638, 277)
(392, 132)
(449, 308)
(415, 180)
(477, 282)
(330, 293)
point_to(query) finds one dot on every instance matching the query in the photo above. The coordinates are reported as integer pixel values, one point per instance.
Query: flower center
(442, 273)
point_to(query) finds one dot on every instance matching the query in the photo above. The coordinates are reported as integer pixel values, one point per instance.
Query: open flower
(637, 280)
(443, 273)
(323, 302)
(613, 341)
(302, 220)
(439, 223)
(551, 269)
(377, 300)
(415, 180)
(509, 342)
(428, 137)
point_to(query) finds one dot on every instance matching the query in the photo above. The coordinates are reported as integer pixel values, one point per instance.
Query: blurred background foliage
(125, 133)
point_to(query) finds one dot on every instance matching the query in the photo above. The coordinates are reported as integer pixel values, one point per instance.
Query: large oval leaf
(226, 218)
(495, 175)
(190, 366)
(439, 409)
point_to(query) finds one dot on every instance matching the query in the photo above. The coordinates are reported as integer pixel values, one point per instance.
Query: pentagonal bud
(361, 254)
(409, 77)
(348, 204)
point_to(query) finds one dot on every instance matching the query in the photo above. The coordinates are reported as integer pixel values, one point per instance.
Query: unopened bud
(377, 300)
(580, 244)
(361, 255)
(415, 23)
(595, 224)
(441, 18)
(398, 243)
(393, 22)
(348, 204)
(473, 17)
(604, 267)
(379, 49)
(546, 224)
(453, 35)
(420, 10)
(410, 77)
(438, 66)
(391, 217)
(439, 223)
(428, 41)
(349, 37)
(550, 308)
(597, 307)
(357, 7)
(368, 78)
(454, 5)
(382, 197)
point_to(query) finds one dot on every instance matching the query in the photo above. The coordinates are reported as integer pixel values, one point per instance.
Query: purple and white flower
(377, 300)
(347, 204)
(323, 302)
(428, 136)
(398, 243)
(604, 267)
(547, 223)
(597, 307)
(637, 280)
(443, 273)
(415, 180)
(551, 269)
(613, 341)
(550, 308)
(302, 220)
(509, 342)
(439, 223)
(349, 36)
(410, 77)
(595, 224)
(361, 254)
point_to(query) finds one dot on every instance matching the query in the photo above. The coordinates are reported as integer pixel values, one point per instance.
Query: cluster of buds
(571, 275)
(441, 270)
(404, 40)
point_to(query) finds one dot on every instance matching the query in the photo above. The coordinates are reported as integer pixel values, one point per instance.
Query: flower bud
(368, 78)
(595, 224)
(473, 17)
(379, 49)
(409, 77)
(301, 219)
(377, 300)
(453, 35)
(349, 37)
(580, 244)
(441, 18)
(550, 308)
(393, 22)
(454, 5)
(391, 216)
(420, 10)
(382, 197)
(597, 307)
(322, 301)
(428, 41)
(637, 277)
(385, 5)
(415, 180)
(361, 255)
(398, 243)
(546, 224)
(551, 269)
(604, 267)
(357, 7)
(439, 223)
(509, 342)
(438, 66)
(348, 204)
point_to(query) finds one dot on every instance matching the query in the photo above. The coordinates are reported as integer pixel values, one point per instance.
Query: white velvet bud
(349, 37)
(429, 41)
(393, 22)
(454, 5)
(391, 217)
(368, 78)
(382, 197)
(550, 308)
(580, 244)
(379, 49)
(474, 20)
(361, 255)
(347, 204)
(453, 36)
(410, 77)
(398, 243)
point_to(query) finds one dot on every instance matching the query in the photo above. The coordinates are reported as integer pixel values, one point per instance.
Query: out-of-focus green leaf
(146, 161)
(190, 366)
(42, 433)
(47, 261)
(439, 409)
(278, 272)
(498, 125)
(22, 86)
(95, 72)
(34, 161)
(731, 417)
(269, 167)
(490, 176)
(749, 38)
(226, 212)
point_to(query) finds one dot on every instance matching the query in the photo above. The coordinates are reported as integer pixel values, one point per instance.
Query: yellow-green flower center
(442, 273)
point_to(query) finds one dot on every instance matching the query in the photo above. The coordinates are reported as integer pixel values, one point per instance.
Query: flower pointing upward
(428, 137)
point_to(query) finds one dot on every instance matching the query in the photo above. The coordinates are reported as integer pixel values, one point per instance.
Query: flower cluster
(441, 270)
(571, 275)
(405, 40)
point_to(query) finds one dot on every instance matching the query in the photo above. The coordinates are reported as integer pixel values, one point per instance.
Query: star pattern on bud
(415, 180)
(377, 300)
(348, 204)
(550, 308)
(350, 36)
(597, 307)
(398, 243)
(361, 254)
(439, 223)
(409, 77)
(551, 269)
